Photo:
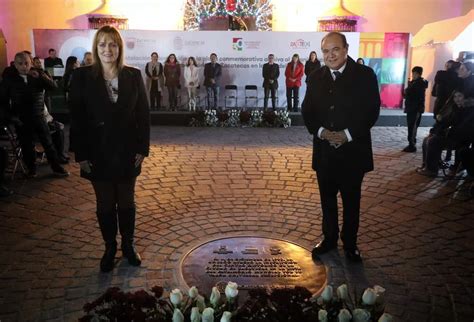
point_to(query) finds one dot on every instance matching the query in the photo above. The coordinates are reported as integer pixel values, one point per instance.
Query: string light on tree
(198, 11)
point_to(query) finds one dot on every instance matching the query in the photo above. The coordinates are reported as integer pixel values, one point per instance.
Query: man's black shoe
(322, 248)
(409, 148)
(59, 171)
(63, 160)
(353, 255)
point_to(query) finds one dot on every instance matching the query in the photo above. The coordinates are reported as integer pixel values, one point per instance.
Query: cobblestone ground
(416, 233)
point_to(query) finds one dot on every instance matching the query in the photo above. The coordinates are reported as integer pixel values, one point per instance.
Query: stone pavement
(416, 233)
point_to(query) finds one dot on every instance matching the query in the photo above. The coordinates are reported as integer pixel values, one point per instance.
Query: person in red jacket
(293, 73)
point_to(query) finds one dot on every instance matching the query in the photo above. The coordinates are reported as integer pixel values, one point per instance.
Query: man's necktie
(337, 74)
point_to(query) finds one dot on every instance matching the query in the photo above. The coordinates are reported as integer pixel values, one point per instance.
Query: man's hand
(85, 166)
(139, 159)
(335, 138)
(33, 73)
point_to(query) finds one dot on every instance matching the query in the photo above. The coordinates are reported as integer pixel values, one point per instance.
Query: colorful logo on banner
(300, 44)
(237, 44)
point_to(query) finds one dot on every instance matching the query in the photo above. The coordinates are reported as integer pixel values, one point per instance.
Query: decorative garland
(198, 10)
(237, 118)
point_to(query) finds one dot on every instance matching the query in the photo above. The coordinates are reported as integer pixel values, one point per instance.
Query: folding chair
(251, 93)
(7, 134)
(230, 93)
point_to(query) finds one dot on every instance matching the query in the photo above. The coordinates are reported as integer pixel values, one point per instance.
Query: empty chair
(251, 93)
(231, 93)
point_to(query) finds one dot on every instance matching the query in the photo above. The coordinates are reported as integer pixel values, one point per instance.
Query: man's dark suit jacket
(270, 72)
(107, 134)
(212, 72)
(352, 102)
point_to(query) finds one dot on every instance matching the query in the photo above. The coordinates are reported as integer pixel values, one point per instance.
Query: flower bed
(238, 118)
(280, 305)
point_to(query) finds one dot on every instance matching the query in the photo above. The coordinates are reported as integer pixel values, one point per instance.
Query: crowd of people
(454, 118)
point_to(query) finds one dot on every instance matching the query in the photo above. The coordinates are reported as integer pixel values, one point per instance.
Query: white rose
(327, 293)
(226, 316)
(369, 297)
(344, 316)
(176, 297)
(323, 316)
(178, 316)
(195, 315)
(386, 318)
(208, 315)
(342, 292)
(360, 315)
(231, 290)
(193, 292)
(215, 296)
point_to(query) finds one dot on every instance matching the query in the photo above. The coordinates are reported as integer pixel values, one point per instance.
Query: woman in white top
(191, 81)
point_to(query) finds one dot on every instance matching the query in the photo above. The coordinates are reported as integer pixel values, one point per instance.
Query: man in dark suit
(52, 60)
(341, 105)
(212, 74)
(270, 73)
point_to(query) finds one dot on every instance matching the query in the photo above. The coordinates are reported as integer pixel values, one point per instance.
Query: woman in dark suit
(111, 128)
(172, 74)
(311, 64)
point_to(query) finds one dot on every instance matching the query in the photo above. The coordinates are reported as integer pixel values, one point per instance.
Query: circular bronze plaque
(253, 263)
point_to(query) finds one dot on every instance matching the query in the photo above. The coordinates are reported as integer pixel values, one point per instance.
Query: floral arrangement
(237, 118)
(281, 305)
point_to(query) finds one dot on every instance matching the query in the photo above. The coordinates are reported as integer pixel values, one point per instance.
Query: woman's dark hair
(70, 62)
(361, 59)
(313, 52)
(194, 61)
(297, 56)
(154, 53)
(168, 59)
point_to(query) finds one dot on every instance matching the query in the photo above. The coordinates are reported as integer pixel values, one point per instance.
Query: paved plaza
(416, 233)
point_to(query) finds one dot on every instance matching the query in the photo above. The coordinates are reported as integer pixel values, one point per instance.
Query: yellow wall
(18, 17)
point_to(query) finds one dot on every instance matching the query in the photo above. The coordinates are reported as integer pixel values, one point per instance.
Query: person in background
(87, 59)
(111, 123)
(24, 92)
(191, 81)
(433, 144)
(360, 61)
(71, 64)
(212, 75)
(311, 64)
(466, 83)
(293, 73)
(444, 84)
(154, 81)
(414, 105)
(270, 73)
(172, 72)
(52, 60)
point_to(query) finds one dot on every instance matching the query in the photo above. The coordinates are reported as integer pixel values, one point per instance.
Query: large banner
(241, 54)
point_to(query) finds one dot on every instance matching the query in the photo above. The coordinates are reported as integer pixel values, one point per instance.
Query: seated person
(22, 95)
(441, 135)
